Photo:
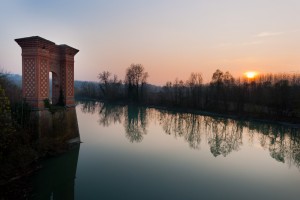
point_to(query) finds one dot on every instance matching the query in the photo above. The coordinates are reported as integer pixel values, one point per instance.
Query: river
(130, 152)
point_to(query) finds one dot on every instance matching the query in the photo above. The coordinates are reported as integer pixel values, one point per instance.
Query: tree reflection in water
(223, 136)
(182, 125)
(135, 123)
(134, 118)
(282, 142)
(109, 114)
(88, 106)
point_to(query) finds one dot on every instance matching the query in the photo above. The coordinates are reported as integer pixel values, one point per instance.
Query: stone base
(60, 124)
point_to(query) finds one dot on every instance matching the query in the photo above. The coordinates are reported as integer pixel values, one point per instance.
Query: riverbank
(230, 115)
(16, 184)
(18, 187)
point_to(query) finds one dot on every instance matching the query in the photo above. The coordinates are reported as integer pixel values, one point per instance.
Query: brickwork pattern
(41, 56)
(44, 78)
(63, 82)
(70, 81)
(29, 77)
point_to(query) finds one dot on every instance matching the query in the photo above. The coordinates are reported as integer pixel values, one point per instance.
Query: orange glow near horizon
(251, 74)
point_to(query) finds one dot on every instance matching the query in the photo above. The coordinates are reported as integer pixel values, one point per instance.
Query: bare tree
(136, 79)
(110, 87)
(195, 85)
(104, 81)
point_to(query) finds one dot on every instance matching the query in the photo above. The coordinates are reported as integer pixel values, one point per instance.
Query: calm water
(139, 153)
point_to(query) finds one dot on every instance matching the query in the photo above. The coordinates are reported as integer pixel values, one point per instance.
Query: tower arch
(39, 58)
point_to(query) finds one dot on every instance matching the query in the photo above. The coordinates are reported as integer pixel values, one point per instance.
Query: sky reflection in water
(131, 152)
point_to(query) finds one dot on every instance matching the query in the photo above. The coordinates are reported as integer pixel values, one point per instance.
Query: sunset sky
(170, 38)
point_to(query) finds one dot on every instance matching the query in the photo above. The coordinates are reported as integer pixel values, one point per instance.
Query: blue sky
(171, 38)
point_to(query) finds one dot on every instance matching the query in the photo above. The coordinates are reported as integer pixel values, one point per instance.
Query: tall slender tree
(136, 79)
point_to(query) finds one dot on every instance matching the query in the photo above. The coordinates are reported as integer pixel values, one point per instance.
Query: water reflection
(58, 131)
(88, 106)
(135, 123)
(283, 144)
(223, 136)
(226, 135)
(57, 179)
(182, 125)
(109, 114)
(135, 118)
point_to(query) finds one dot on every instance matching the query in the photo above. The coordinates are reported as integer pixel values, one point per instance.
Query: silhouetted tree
(135, 79)
(265, 96)
(104, 82)
(195, 90)
(110, 87)
(216, 89)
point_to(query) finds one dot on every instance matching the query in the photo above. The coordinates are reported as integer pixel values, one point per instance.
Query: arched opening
(50, 87)
(53, 88)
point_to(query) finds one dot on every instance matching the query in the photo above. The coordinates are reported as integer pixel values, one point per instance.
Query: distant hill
(78, 84)
(153, 88)
(16, 79)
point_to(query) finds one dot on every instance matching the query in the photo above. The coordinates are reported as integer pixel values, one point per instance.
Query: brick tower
(39, 57)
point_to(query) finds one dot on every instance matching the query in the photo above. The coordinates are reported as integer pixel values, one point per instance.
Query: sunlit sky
(170, 38)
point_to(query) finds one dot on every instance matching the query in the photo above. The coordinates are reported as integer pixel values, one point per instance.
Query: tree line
(266, 96)
(110, 88)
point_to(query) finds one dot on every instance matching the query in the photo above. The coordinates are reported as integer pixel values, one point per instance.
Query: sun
(250, 74)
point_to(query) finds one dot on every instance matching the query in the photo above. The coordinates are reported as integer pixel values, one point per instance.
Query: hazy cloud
(251, 43)
(225, 44)
(229, 44)
(268, 34)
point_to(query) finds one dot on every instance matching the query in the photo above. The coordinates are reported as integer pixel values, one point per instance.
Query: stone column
(39, 57)
(35, 69)
(67, 73)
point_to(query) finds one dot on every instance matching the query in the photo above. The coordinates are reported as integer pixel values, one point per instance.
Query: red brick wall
(39, 57)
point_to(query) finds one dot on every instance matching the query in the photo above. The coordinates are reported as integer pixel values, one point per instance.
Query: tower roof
(39, 42)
